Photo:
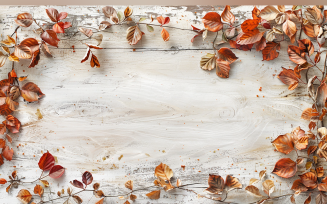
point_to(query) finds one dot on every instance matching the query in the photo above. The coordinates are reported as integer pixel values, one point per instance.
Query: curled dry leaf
(311, 30)
(284, 143)
(10, 41)
(285, 168)
(38, 190)
(269, 13)
(232, 183)
(87, 178)
(128, 12)
(270, 51)
(77, 199)
(22, 52)
(262, 174)
(13, 124)
(250, 37)
(46, 162)
(86, 31)
(31, 92)
(227, 15)
(222, 68)
(165, 35)
(24, 196)
(260, 45)
(134, 35)
(296, 54)
(289, 29)
(77, 184)
(45, 183)
(3, 59)
(309, 179)
(154, 195)
(56, 171)
(320, 171)
(322, 187)
(35, 59)
(212, 22)
(129, 184)
(104, 25)
(308, 200)
(24, 19)
(96, 186)
(216, 184)
(288, 77)
(268, 187)
(50, 37)
(133, 197)
(163, 172)
(253, 191)
(100, 201)
(111, 13)
(309, 114)
(94, 61)
(46, 50)
(3, 181)
(306, 46)
(208, 61)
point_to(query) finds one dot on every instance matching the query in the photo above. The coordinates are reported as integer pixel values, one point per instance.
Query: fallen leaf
(46, 162)
(129, 184)
(223, 68)
(154, 195)
(227, 15)
(232, 183)
(288, 77)
(134, 35)
(77, 184)
(227, 54)
(253, 191)
(86, 31)
(165, 35)
(212, 22)
(31, 92)
(268, 187)
(7, 153)
(38, 190)
(128, 12)
(285, 168)
(87, 178)
(94, 61)
(208, 61)
(284, 143)
(163, 20)
(56, 171)
(50, 37)
(250, 24)
(216, 184)
(24, 196)
(163, 172)
(270, 51)
(24, 19)
(309, 179)
(269, 13)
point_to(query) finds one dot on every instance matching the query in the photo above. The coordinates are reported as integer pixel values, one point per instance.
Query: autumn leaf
(253, 191)
(24, 19)
(134, 35)
(165, 35)
(208, 61)
(61, 26)
(38, 190)
(111, 13)
(311, 30)
(45, 183)
(227, 15)
(13, 124)
(223, 68)
(133, 197)
(94, 61)
(298, 186)
(269, 13)
(270, 51)
(288, 77)
(128, 12)
(52, 14)
(289, 29)
(320, 171)
(321, 198)
(100, 201)
(309, 179)
(296, 55)
(250, 24)
(309, 113)
(285, 168)
(212, 22)
(77, 184)
(227, 54)
(311, 150)
(268, 187)
(7, 153)
(3, 181)
(232, 182)
(306, 46)
(56, 171)
(163, 172)
(250, 37)
(31, 92)
(255, 13)
(284, 143)
(50, 37)
(46, 162)
(321, 95)
(77, 199)
(10, 41)
(216, 184)
(22, 52)
(154, 195)
(129, 184)
(35, 59)
(261, 44)
(104, 25)
(302, 143)
(163, 20)
(87, 178)
(24, 196)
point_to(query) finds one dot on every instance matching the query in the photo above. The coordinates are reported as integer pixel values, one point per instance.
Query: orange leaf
(288, 77)
(164, 34)
(94, 61)
(24, 19)
(154, 195)
(227, 15)
(3, 181)
(212, 22)
(285, 168)
(134, 34)
(5, 110)
(35, 59)
(163, 20)
(302, 143)
(13, 124)
(2, 143)
(100, 201)
(284, 143)
(309, 179)
(31, 92)
(270, 51)
(216, 184)
(38, 190)
(255, 13)
(309, 113)
(250, 24)
(53, 14)
(24, 196)
(296, 55)
(289, 28)
(311, 149)
(250, 37)
(260, 45)
(7, 153)
(307, 46)
(311, 30)
(222, 69)
(227, 54)
(232, 182)
(56, 171)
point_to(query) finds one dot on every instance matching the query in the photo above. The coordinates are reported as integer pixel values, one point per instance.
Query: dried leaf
(289, 29)
(281, 8)
(38, 190)
(13, 124)
(46, 162)
(111, 13)
(35, 59)
(53, 14)
(46, 50)
(320, 171)
(3, 59)
(134, 35)
(288, 77)
(94, 61)
(227, 15)
(262, 174)
(77, 199)
(284, 143)
(128, 12)
(308, 200)
(133, 197)
(31, 92)
(311, 30)
(216, 184)
(163, 172)
(311, 149)
(96, 186)
(154, 195)
(270, 51)
(250, 37)
(321, 198)
(24, 19)
(250, 24)
(50, 37)
(253, 191)
(86, 31)
(149, 28)
(260, 45)
(309, 179)
(45, 183)
(163, 20)
(100, 201)
(222, 68)
(87, 178)
(285, 168)
(208, 61)
(129, 184)
(7, 153)
(22, 52)
(56, 171)
(306, 45)
(3, 181)
(269, 13)
(268, 187)
(309, 113)
(212, 22)
(232, 183)
(227, 54)
(165, 35)
(77, 184)
(104, 25)
(24, 196)
(10, 41)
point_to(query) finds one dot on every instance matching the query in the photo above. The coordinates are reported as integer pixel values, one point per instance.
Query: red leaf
(233, 44)
(285, 168)
(53, 14)
(87, 178)
(13, 124)
(270, 51)
(50, 37)
(62, 15)
(47, 161)
(163, 20)
(77, 184)
(2, 143)
(35, 59)
(250, 37)
(212, 22)
(57, 171)
(222, 69)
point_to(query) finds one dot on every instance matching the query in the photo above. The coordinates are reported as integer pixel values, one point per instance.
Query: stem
(168, 27)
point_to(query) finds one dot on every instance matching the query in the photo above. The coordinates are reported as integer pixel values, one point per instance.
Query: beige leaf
(262, 174)
(178, 183)
(98, 37)
(45, 183)
(270, 36)
(281, 8)
(3, 59)
(154, 195)
(281, 17)
(268, 187)
(208, 61)
(269, 13)
(86, 31)
(253, 181)
(104, 25)
(163, 172)
(253, 191)
(134, 34)
(24, 196)
(129, 184)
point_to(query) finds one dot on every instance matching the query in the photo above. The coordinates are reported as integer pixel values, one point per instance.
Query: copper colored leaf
(133, 197)
(5, 110)
(56, 171)
(2, 143)
(94, 61)
(87, 54)
(260, 45)
(46, 162)
(212, 22)
(53, 14)
(321, 198)
(3, 181)
(285, 168)
(270, 51)
(308, 200)
(232, 182)
(250, 24)
(96, 186)
(87, 178)
(208, 61)
(154, 195)
(50, 37)
(281, 8)
(77, 184)
(129, 184)
(128, 12)
(7, 153)
(289, 28)
(24, 19)
(163, 20)
(302, 143)
(8, 188)
(86, 31)
(38, 190)
(311, 30)
(255, 13)
(24, 196)
(250, 37)
(253, 190)
(31, 92)
(284, 143)
(227, 15)
(62, 15)
(268, 187)
(35, 59)
(227, 54)
(299, 161)
(109, 12)
(134, 34)
(309, 179)
(223, 68)
(46, 50)
(104, 25)
(163, 172)
(13, 124)
(9, 41)
(61, 26)
(45, 183)
(216, 184)
(307, 46)
(309, 113)
(99, 193)
(22, 52)
(322, 187)
(100, 201)
(288, 77)
(269, 13)
(311, 149)
(77, 199)
(165, 35)
(295, 54)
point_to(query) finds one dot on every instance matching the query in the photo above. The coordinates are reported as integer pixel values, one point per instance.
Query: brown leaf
(165, 35)
(31, 92)
(322, 187)
(212, 22)
(77, 199)
(77, 184)
(296, 55)
(253, 191)
(308, 200)
(163, 20)
(94, 61)
(24, 196)
(24, 19)
(250, 37)
(270, 51)
(86, 31)
(232, 183)
(38, 190)
(50, 37)
(269, 13)
(2, 143)
(309, 113)
(307, 46)
(311, 149)
(227, 54)
(87, 178)
(5, 110)
(321, 95)
(134, 35)
(284, 143)
(111, 13)
(309, 179)
(45, 183)
(288, 77)
(311, 30)
(223, 68)
(104, 25)
(289, 29)
(13, 124)
(285, 168)
(227, 15)
(128, 12)
(163, 172)
(7, 153)
(133, 197)
(154, 195)
(53, 14)
(1, 160)
(302, 143)
(100, 201)
(281, 8)
(35, 59)
(250, 24)
(22, 52)
(260, 45)
(96, 186)
(46, 50)
(99, 193)
(10, 41)
(321, 198)
(268, 187)
(216, 184)
(320, 171)
(129, 184)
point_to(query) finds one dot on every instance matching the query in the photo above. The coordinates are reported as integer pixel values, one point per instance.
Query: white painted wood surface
(151, 105)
